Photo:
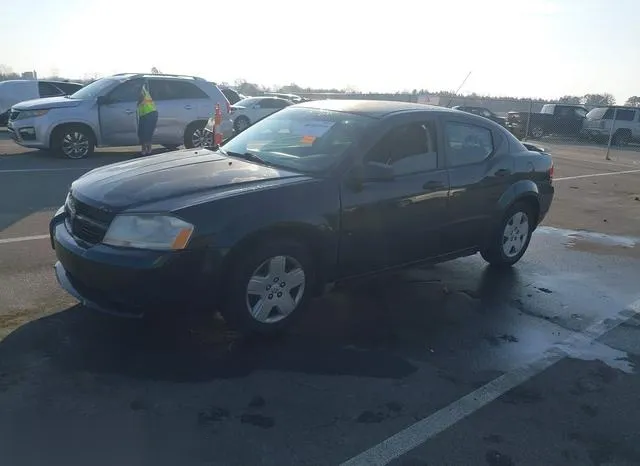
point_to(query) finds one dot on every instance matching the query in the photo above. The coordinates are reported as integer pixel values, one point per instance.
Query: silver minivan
(103, 113)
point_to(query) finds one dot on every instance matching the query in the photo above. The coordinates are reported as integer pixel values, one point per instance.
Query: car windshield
(94, 89)
(302, 139)
(596, 114)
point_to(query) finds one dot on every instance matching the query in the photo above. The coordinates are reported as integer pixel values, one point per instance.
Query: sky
(528, 48)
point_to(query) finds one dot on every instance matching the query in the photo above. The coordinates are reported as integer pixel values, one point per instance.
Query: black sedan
(314, 194)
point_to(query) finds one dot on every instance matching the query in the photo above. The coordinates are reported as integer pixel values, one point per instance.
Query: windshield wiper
(247, 156)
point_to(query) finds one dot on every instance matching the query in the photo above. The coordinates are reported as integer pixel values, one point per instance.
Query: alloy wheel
(75, 145)
(515, 234)
(275, 289)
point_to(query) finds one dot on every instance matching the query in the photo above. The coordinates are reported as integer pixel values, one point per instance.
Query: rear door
(178, 103)
(480, 169)
(398, 221)
(118, 117)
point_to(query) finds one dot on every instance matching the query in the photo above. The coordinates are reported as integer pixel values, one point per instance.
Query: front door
(397, 221)
(118, 117)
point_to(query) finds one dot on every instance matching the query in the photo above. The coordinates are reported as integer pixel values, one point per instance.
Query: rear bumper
(128, 282)
(545, 199)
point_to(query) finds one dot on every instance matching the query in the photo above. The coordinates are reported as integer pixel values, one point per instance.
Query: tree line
(248, 88)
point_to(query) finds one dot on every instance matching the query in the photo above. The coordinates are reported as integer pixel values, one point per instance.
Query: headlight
(31, 113)
(149, 231)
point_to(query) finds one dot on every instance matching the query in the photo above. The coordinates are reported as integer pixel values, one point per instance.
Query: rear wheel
(268, 287)
(73, 141)
(194, 135)
(621, 138)
(511, 239)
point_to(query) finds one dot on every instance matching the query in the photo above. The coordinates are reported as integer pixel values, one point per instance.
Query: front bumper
(29, 132)
(130, 282)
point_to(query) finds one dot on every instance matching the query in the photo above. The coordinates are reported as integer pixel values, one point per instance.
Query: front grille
(87, 222)
(13, 115)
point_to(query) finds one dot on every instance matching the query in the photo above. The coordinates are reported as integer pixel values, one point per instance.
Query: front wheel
(268, 287)
(537, 132)
(73, 142)
(511, 239)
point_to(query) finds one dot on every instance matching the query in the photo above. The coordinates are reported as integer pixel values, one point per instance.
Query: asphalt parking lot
(456, 364)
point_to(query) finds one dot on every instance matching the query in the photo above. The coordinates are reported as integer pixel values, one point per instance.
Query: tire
(536, 132)
(73, 142)
(194, 135)
(621, 138)
(263, 266)
(517, 232)
(241, 123)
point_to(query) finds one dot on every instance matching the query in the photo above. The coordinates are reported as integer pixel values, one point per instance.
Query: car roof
(371, 108)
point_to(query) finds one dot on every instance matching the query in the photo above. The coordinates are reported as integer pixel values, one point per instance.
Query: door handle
(503, 172)
(432, 185)
(128, 112)
(188, 107)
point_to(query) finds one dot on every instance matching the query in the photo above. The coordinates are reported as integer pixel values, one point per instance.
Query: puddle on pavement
(597, 243)
(597, 351)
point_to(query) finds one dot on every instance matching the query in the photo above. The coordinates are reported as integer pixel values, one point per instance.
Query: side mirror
(102, 100)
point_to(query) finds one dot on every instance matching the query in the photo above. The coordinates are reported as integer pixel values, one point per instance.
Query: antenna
(459, 87)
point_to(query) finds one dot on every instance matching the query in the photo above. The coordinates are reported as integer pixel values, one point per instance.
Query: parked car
(18, 90)
(232, 95)
(247, 111)
(103, 113)
(597, 125)
(552, 119)
(483, 112)
(316, 193)
(296, 99)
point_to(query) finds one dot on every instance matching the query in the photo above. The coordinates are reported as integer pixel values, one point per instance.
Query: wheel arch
(59, 126)
(306, 234)
(522, 191)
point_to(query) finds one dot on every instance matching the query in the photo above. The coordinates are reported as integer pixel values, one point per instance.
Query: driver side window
(128, 91)
(409, 148)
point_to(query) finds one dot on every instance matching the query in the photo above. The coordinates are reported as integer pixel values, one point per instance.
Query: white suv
(103, 113)
(597, 124)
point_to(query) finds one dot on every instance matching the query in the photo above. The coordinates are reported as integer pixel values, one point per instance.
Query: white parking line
(21, 239)
(596, 174)
(418, 433)
(37, 170)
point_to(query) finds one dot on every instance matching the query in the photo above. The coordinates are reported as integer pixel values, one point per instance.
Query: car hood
(47, 102)
(134, 183)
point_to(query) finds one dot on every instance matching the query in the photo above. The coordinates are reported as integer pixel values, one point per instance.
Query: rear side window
(548, 108)
(169, 89)
(467, 143)
(46, 89)
(623, 114)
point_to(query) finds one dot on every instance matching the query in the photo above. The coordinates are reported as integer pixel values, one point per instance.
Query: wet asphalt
(368, 360)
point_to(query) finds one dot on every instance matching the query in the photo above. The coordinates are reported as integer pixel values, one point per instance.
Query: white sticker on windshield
(313, 129)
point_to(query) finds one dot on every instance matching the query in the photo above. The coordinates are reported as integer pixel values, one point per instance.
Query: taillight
(551, 172)
(229, 108)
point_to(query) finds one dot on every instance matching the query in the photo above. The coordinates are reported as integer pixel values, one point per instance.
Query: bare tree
(599, 99)
(570, 99)
(633, 101)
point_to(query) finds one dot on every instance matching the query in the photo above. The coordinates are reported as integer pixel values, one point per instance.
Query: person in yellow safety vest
(147, 119)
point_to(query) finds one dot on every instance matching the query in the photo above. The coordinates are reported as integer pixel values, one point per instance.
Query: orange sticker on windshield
(308, 139)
